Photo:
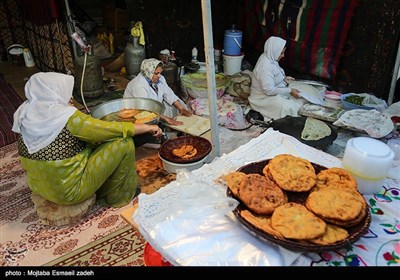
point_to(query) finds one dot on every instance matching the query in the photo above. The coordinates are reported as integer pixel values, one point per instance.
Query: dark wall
(370, 50)
(177, 25)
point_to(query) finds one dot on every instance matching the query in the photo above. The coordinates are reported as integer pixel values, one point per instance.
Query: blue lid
(233, 32)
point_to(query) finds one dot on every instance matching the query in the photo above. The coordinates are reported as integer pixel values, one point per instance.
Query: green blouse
(71, 180)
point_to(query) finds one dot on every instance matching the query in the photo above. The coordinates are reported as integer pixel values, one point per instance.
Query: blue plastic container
(350, 106)
(232, 42)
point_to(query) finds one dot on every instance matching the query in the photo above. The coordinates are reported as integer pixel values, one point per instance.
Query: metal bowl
(138, 103)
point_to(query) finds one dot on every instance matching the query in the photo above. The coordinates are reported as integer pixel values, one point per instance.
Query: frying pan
(293, 126)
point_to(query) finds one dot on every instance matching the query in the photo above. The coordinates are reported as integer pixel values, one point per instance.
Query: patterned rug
(123, 247)
(102, 238)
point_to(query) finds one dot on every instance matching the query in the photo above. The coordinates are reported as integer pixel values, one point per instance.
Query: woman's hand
(186, 113)
(289, 79)
(170, 121)
(142, 128)
(182, 109)
(295, 93)
(71, 102)
(155, 130)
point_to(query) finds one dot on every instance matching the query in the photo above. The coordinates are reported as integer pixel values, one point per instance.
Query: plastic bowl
(333, 100)
(172, 167)
(351, 106)
(368, 160)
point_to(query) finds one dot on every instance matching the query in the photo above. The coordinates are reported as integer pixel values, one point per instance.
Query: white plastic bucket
(16, 53)
(232, 64)
(369, 160)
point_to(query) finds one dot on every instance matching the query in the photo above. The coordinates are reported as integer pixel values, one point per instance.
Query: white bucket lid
(370, 147)
(15, 49)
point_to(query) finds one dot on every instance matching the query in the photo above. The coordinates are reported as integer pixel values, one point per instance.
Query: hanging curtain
(41, 12)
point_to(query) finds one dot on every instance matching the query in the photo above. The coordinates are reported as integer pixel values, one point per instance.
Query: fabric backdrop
(315, 30)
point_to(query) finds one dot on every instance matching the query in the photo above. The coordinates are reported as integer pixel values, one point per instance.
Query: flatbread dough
(193, 125)
(315, 130)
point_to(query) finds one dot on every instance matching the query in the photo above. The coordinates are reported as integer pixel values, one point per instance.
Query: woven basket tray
(355, 232)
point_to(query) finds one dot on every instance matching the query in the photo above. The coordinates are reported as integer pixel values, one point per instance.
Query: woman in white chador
(270, 94)
(149, 83)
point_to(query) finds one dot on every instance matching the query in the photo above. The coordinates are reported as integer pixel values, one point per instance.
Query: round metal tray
(139, 103)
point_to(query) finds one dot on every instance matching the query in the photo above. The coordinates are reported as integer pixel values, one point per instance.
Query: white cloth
(373, 122)
(46, 111)
(270, 94)
(140, 87)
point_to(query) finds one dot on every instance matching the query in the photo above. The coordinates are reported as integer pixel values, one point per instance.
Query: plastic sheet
(369, 102)
(195, 84)
(194, 226)
(373, 101)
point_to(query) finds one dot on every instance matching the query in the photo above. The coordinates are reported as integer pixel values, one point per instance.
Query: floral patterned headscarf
(148, 67)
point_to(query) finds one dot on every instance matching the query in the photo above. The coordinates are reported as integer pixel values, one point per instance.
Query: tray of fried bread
(298, 204)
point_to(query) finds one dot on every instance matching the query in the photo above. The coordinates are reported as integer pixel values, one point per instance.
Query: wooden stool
(53, 214)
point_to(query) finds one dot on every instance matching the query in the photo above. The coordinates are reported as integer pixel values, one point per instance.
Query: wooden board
(128, 213)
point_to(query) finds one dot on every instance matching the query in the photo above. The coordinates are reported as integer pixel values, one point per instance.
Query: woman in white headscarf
(149, 83)
(69, 156)
(270, 94)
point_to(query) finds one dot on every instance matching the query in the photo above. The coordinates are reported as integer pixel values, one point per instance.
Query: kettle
(29, 62)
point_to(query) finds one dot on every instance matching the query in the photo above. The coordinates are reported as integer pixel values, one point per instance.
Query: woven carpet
(121, 248)
(103, 238)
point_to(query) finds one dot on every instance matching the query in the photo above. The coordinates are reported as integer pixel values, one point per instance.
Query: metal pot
(138, 103)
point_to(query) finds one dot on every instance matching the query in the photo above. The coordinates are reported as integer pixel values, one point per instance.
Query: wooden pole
(211, 86)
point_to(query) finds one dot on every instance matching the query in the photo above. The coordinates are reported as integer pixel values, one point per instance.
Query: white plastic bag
(373, 101)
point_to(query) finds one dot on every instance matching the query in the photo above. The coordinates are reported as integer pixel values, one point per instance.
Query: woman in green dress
(68, 155)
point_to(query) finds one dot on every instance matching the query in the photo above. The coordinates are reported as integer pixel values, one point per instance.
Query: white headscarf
(273, 47)
(46, 111)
